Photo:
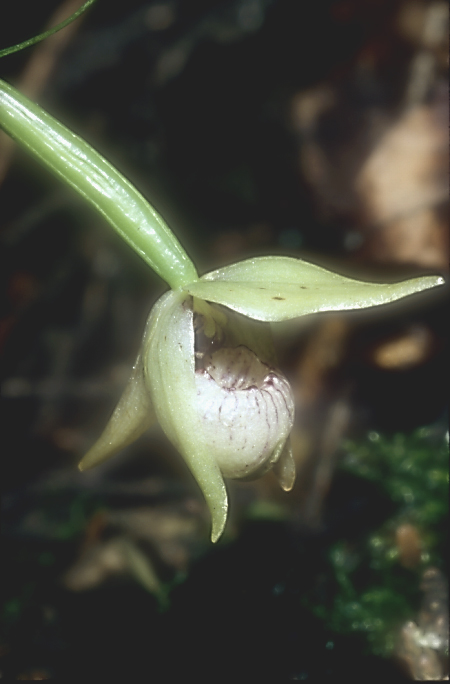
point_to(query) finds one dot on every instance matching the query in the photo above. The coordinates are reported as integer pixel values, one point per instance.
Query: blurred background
(314, 130)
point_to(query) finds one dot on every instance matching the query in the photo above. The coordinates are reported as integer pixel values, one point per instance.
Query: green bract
(206, 370)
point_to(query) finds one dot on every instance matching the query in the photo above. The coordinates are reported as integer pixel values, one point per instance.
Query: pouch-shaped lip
(246, 409)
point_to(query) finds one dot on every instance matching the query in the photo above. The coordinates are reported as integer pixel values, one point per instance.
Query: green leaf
(75, 162)
(281, 288)
(169, 363)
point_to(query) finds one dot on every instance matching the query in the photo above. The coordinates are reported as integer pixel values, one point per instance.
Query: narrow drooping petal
(281, 288)
(169, 363)
(132, 416)
(284, 468)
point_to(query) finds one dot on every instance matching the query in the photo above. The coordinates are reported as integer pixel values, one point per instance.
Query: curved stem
(80, 166)
(49, 32)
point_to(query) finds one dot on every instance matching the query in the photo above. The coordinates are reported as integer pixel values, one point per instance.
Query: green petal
(281, 288)
(132, 416)
(170, 367)
(284, 468)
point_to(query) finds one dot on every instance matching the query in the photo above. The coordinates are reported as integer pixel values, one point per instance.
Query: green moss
(411, 469)
(373, 593)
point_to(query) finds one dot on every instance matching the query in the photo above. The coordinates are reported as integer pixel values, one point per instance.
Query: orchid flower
(206, 369)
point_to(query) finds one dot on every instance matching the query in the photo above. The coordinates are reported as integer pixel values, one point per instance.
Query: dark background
(316, 130)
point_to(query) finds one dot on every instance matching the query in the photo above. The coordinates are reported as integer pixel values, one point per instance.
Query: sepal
(281, 288)
(169, 364)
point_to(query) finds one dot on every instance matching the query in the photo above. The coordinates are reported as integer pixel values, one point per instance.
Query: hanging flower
(206, 370)
(210, 379)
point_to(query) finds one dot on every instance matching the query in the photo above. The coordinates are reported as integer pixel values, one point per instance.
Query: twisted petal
(281, 288)
(169, 363)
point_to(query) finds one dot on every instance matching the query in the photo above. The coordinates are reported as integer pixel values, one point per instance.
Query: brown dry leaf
(38, 674)
(167, 533)
(405, 350)
(324, 352)
(409, 545)
(100, 562)
(401, 186)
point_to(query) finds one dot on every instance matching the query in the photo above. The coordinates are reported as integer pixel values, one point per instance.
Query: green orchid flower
(206, 369)
(209, 378)
(208, 375)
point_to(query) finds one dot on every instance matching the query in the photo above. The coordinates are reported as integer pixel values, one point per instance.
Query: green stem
(80, 166)
(49, 32)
